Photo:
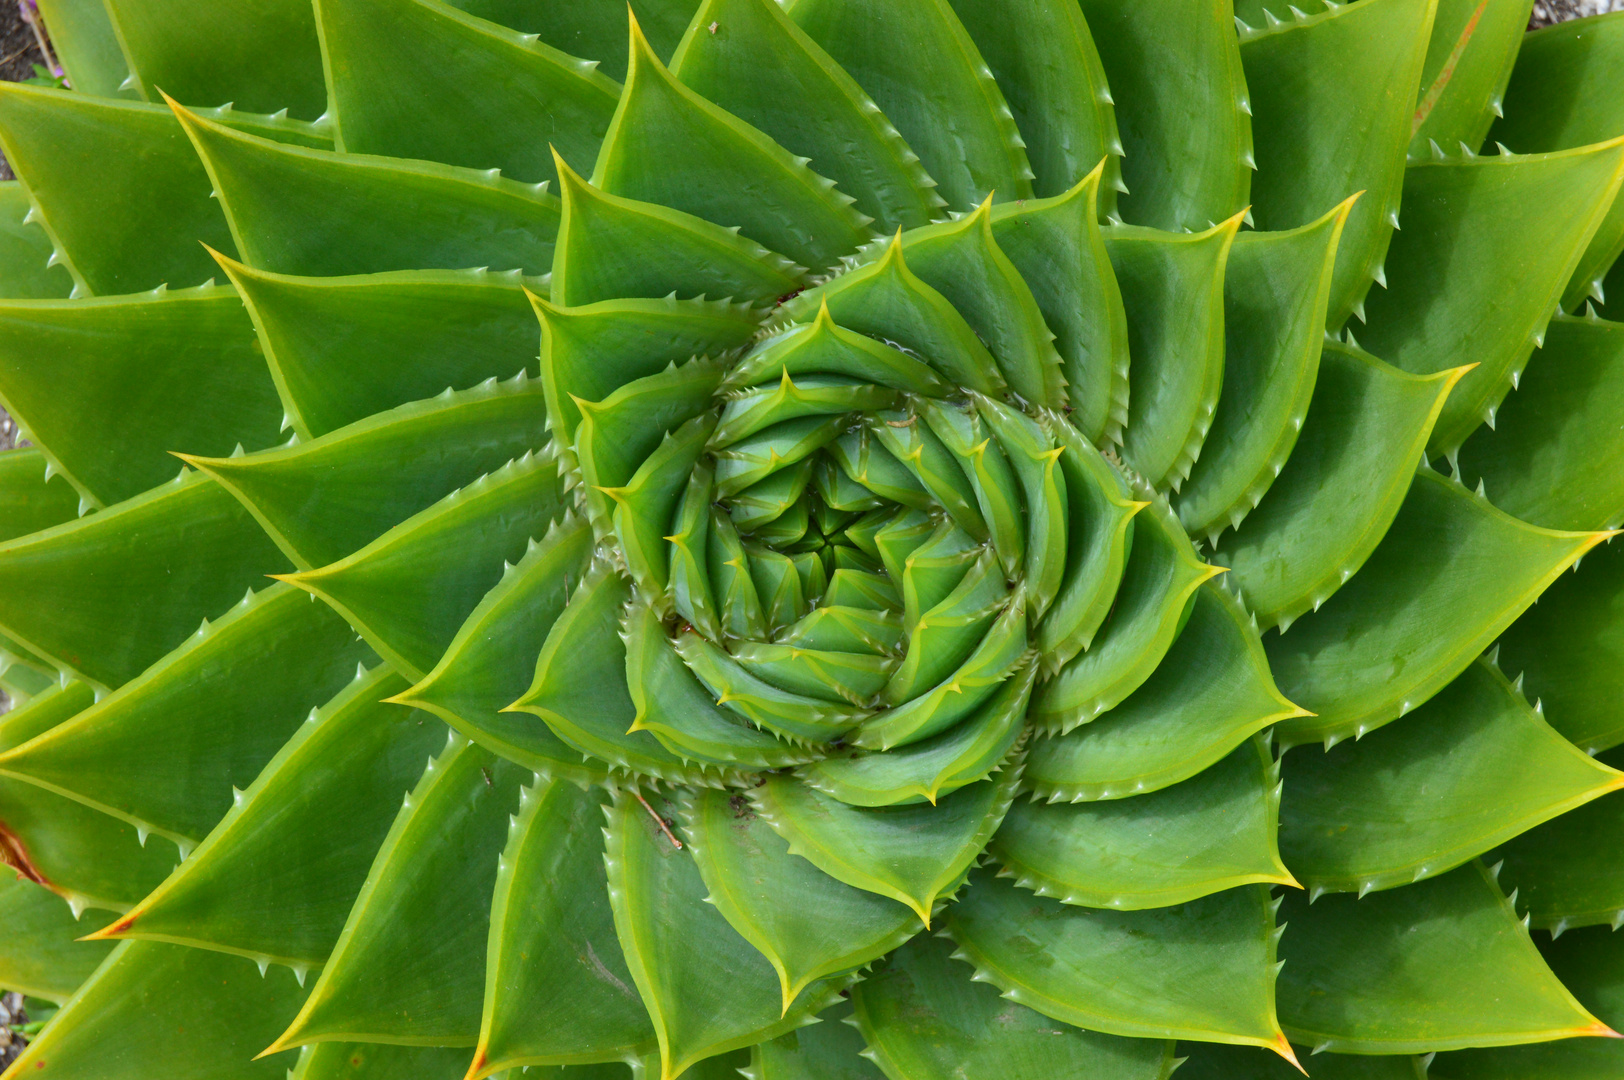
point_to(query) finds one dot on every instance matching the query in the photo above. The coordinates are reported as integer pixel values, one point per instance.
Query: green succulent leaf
(275, 879)
(343, 349)
(1346, 480)
(33, 495)
(1590, 965)
(551, 922)
(913, 853)
(1463, 221)
(1211, 832)
(807, 103)
(1212, 690)
(832, 1050)
(1561, 869)
(1553, 435)
(687, 961)
(409, 591)
(921, 1015)
(1469, 58)
(1200, 970)
(1175, 71)
(1467, 770)
(1579, 689)
(83, 38)
(1333, 97)
(1377, 648)
(28, 268)
(378, 55)
(86, 857)
(206, 717)
(409, 966)
(1057, 247)
(379, 1061)
(112, 384)
(666, 144)
(267, 59)
(807, 924)
(39, 955)
(294, 210)
(942, 73)
(1442, 964)
(147, 991)
(83, 594)
(1173, 291)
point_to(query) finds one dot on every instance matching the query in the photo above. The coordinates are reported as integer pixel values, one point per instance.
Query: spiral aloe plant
(947, 591)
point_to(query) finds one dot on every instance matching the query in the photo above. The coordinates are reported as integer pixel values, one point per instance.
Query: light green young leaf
(1469, 58)
(27, 269)
(83, 39)
(39, 953)
(33, 495)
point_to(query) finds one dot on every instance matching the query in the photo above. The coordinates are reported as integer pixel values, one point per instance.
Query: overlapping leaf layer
(948, 591)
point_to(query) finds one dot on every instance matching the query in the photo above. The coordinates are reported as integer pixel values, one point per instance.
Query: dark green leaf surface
(1212, 690)
(410, 590)
(1201, 970)
(552, 926)
(1181, 104)
(807, 103)
(1552, 457)
(409, 967)
(1173, 290)
(27, 269)
(83, 39)
(1570, 651)
(1564, 872)
(110, 386)
(1214, 1061)
(489, 663)
(1469, 59)
(922, 1016)
(1467, 770)
(106, 595)
(379, 1061)
(831, 1050)
(328, 498)
(276, 878)
(913, 853)
(1406, 626)
(33, 496)
(594, 31)
(807, 924)
(1343, 485)
(667, 145)
(143, 995)
(1276, 286)
(1439, 965)
(1563, 95)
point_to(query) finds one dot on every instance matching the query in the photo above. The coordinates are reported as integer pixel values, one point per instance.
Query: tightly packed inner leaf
(830, 538)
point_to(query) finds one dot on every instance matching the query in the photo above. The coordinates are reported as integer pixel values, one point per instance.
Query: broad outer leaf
(1566, 872)
(557, 989)
(706, 988)
(275, 879)
(1472, 767)
(143, 995)
(1474, 45)
(1438, 965)
(922, 1015)
(380, 1061)
(1200, 970)
(409, 967)
(832, 1050)
(39, 955)
(27, 269)
(33, 496)
(1449, 577)
(1211, 832)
